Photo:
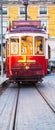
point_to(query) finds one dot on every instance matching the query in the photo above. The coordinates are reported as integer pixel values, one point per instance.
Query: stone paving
(3, 78)
(7, 108)
(33, 113)
(48, 88)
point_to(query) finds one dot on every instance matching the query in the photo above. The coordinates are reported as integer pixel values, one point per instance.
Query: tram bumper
(27, 73)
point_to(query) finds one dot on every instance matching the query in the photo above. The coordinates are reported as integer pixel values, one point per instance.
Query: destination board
(26, 23)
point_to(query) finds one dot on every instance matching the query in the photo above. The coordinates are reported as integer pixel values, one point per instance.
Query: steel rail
(12, 120)
(15, 110)
(46, 99)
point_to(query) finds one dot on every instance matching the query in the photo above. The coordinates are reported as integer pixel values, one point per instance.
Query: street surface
(25, 108)
(32, 112)
(7, 104)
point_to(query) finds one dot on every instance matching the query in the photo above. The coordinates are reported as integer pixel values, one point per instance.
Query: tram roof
(31, 29)
(21, 30)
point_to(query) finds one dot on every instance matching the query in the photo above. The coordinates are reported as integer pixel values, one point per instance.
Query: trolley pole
(1, 2)
(25, 4)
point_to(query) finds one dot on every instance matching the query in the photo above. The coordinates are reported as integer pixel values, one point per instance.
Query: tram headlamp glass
(27, 67)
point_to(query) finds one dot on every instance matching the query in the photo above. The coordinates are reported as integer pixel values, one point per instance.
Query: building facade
(36, 10)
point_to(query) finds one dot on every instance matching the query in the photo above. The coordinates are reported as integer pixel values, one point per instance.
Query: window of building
(44, 24)
(4, 11)
(5, 25)
(22, 10)
(42, 10)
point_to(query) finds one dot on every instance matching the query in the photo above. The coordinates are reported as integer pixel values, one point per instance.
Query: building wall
(51, 43)
(51, 20)
(33, 14)
(13, 13)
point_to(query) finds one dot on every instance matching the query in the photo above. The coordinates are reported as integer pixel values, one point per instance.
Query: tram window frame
(13, 47)
(37, 48)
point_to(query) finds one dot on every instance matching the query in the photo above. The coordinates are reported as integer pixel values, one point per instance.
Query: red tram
(26, 52)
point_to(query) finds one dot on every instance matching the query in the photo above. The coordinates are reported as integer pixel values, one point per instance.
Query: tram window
(14, 46)
(14, 40)
(38, 45)
(27, 45)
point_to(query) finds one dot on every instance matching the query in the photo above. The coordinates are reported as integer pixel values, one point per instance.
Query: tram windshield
(26, 45)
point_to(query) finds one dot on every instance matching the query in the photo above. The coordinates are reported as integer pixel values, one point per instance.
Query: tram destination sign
(26, 23)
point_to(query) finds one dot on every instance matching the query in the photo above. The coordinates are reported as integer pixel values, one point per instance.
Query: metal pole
(25, 12)
(1, 39)
(25, 4)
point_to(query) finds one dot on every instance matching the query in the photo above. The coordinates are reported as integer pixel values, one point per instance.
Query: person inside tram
(23, 49)
(39, 47)
(26, 45)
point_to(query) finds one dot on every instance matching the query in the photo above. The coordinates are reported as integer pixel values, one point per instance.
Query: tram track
(27, 106)
(23, 102)
(52, 107)
(9, 102)
(15, 110)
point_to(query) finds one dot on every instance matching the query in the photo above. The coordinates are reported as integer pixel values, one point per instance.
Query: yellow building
(44, 11)
(35, 11)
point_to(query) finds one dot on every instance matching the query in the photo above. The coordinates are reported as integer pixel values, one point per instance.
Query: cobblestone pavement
(49, 78)
(32, 112)
(48, 87)
(3, 78)
(7, 104)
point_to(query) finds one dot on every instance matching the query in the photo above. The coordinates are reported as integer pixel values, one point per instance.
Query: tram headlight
(27, 67)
